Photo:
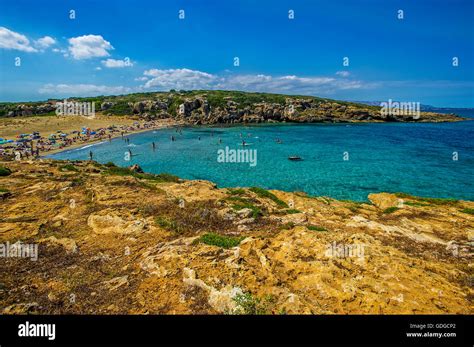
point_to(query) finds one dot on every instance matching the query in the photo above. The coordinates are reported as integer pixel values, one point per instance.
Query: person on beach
(130, 152)
(110, 138)
(199, 138)
(153, 145)
(220, 140)
(243, 142)
(90, 155)
(172, 138)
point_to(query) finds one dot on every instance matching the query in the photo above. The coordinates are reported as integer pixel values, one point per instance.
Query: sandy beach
(10, 128)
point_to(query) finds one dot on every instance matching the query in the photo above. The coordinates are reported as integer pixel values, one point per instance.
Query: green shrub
(316, 228)
(168, 224)
(390, 210)
(68, 167)
(256, 212)
(241, 203)
(214, 239)
(247, 304)
(434, 201)
(292, 211)
(235, 191)
(467, 210)
(404, 196)
(4, 171)
(263, 193)
(416, 204)
(439, 201)
(123, 171)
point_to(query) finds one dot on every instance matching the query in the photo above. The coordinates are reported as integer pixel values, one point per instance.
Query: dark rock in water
(136, 168)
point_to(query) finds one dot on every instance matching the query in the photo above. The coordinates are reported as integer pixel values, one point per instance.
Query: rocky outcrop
(237, 107)
(135, 245)
(22, 110)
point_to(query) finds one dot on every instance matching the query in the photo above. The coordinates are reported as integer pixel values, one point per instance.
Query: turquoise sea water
(389, 157)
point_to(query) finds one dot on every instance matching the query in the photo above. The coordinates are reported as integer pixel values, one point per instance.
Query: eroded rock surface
(149, 245)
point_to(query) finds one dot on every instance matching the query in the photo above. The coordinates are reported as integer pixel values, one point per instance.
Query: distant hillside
(428, 108)
(216, 106)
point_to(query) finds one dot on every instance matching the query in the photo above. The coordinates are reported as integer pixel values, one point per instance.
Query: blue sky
(407, 59)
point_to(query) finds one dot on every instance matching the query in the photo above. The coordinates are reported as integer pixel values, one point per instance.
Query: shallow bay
(383, 157)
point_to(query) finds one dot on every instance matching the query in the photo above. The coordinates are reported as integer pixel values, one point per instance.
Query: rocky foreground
(112, 240)
(232, 107)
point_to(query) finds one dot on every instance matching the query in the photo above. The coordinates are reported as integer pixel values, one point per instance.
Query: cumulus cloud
(343, 73)
(179, 79)
(114, 63)
(45, 42)
(192, 79)
(12, 40)
(89, 46)
(69, 90)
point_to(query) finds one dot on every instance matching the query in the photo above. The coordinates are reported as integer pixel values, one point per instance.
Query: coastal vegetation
(105, 235)
(4, 171)
(316, 228)
(239, 203)
(121, 171)
(223, 241)
(219, 106)
(263, 193)
(391, 209)
(249, 304)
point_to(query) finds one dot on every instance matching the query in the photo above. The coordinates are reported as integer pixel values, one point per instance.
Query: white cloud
(114, 63)
(288, 84)
(143, 78)
(343, 73)
(179, 79)
(192, 79)
(57, 90)
(89, 46)
(45, 42)
(12, 40)
(98, 68)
